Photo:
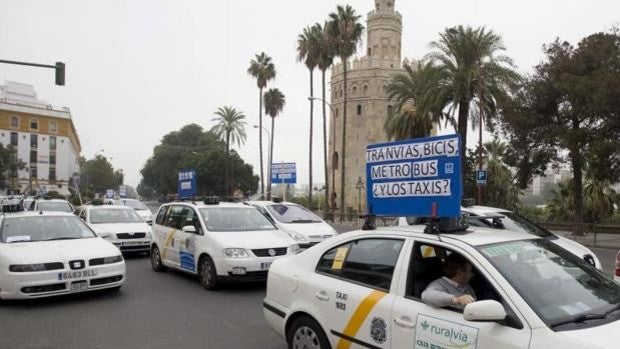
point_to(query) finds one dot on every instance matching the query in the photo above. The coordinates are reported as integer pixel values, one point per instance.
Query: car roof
(474, 236)
(105, 207)
(51, 200)
(200, 204)
(269, 203)
(484, 209)
(35, 213)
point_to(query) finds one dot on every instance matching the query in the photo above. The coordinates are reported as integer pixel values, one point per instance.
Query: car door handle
(322, 296)
(404, 322)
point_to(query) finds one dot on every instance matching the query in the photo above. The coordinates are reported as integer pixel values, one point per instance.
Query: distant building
(44, 136)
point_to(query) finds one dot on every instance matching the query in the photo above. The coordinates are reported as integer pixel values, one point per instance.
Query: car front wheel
(156, 263)
(207, 273)
(307, 333)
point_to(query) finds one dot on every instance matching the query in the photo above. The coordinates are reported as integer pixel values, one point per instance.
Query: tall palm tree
(263, 70)
(407, 89)
(307, 52)
(325, 59)
(346, 32)
(230, 127)
(274, 103)
(470, 70)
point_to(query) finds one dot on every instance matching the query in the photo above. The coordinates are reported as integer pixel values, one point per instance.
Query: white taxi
(53, 253)
(217, 241)
(141, 209)
(120, 225)
(363, 289)
(300, 223)
(48, 204)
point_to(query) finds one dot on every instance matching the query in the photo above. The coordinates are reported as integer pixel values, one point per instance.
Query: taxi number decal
(77, 274)
(341, 299)
(358, 317)
(341, 252)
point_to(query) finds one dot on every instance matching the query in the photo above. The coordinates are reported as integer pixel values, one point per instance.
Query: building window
(34, 124)
(335, 160)
(53, 127)
(33, 156)
(14, 122)
(369, 52)
(354, 90)
(52, 158)
(337, 114)
(33, 172)
(365, 90)
(359, 109)
(34, 141)
(52, 142)
(389, 110)
(52, 176)
(14, 138)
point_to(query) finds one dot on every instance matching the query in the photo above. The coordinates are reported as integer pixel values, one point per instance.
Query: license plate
(77, 274)
(132, 243)
(79, 286)
(265, 265)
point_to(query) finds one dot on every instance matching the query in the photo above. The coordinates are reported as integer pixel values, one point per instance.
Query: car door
(171, 240)
(186, 241)
(418, 325)
(352, 291)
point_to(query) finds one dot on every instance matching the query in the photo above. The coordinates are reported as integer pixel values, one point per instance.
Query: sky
(139, 69)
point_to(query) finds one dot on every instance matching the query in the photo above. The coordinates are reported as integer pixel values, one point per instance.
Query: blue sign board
(284, 173)
(122, 191)
(109, 193)
(186, 183)
(481, 177)
(415, 177)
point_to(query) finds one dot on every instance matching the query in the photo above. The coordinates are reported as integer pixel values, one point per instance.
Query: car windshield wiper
(580, 319)
(61, 238)
(304, 221)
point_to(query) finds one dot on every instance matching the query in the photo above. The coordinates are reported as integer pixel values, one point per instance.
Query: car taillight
(618, 264)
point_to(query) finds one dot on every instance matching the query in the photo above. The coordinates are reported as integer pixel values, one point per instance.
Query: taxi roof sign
(415, 177)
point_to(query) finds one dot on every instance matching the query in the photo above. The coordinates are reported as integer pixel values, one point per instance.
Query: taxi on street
(46, 254)
(219, 242)
(363, 289)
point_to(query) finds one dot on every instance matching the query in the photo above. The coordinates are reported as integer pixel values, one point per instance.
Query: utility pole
(59, 67)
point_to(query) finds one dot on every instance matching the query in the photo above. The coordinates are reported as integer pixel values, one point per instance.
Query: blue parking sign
(186, 183)
(481, 177)
(415, 177)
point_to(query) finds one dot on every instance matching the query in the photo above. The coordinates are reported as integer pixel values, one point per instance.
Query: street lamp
(269, 158)
(327, 205)
(359, 186)
(480, 106)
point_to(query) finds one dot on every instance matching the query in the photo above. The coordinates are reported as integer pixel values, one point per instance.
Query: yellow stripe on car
(167, 242)
(358, 317)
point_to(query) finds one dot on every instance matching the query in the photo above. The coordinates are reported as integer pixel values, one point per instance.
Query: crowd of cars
(327, 290)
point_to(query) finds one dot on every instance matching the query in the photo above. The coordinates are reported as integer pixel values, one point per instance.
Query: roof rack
(211, 200)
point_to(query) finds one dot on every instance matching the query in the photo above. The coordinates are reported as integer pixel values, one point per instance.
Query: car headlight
(235, 253)
(294, 249)
(106, 260)
(296, 236)
(24, 268)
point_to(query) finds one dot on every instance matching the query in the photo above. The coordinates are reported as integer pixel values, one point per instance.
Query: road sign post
(284, 173)
(186, 183)
(415, 177)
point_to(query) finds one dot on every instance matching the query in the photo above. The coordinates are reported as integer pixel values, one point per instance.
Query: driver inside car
(453, 289)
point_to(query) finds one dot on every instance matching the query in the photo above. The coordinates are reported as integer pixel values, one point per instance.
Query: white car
(363, 289)
(217, 241)
(120, 225)
(54, 253)
(56, 205)
(515, 222)
(140, 208)
(300, 223)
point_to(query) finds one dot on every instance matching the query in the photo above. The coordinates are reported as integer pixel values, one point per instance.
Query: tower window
(34, 124)
(335, 160)
(359, 109)
(365, 90)
(369, 52)
(389, 110)
(14, 121)
(354, 90)
(53, 127)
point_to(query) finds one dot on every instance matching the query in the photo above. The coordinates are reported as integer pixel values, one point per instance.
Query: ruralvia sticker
(431, 332)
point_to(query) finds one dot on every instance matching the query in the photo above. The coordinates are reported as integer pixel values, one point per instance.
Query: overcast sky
(138, 69)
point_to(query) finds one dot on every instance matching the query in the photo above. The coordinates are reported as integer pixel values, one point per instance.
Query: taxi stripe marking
(358, 317)
(167, 243)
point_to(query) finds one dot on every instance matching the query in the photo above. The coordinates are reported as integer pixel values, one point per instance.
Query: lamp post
(327, 202)
(359, 186)
(269, 158)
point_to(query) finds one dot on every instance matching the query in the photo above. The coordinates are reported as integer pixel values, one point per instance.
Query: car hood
(58, 250)
(144, 214)
(310, 230)
(602, 337)
(121, 228)
(252, 239)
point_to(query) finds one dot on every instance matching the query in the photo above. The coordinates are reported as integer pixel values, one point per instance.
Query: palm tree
(345, 32)
(325, 59)
(230, 127)
(263, 70)
(407, 89)
(469, 68)
(307, 52)
(274, 103)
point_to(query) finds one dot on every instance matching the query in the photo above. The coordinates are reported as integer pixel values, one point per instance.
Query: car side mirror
(189, 229)
(487, 310)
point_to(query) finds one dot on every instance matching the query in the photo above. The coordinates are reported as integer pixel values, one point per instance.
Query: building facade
(367, 103)
(44, 137)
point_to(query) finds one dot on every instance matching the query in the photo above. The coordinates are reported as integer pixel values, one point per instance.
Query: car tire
(207, 273)
(156, 262)
(305, 332)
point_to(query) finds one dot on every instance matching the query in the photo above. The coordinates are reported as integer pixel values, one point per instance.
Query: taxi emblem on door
(377, 330)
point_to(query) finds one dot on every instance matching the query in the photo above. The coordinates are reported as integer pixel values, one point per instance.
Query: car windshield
(560, 287)
(513, 222)
(54, 206)
(135, 204)
(235, 219)
(41, 228)
(114, 215)
(293, 214)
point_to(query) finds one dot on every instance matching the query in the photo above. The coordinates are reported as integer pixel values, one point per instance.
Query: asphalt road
(152, 310)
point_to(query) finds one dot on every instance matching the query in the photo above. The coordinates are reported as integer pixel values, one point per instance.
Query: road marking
(358, 317)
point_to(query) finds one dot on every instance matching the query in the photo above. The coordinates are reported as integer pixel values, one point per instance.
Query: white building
(44, 136)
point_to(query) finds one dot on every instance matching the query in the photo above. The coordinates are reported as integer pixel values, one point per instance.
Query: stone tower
(367, 106)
